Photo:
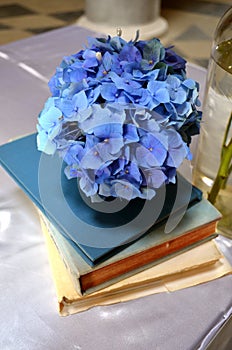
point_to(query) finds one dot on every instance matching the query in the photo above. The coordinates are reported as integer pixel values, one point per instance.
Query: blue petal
(107, 61)
(105, 190)
(139, 75)
(189, 83)
(85, 114)
(50, 117)
(110, 130)
(92, 159)
(80, 101)
(124, 189)
(144, 158)
(45, 144)
(90, 59)
(155, 177)
(176, 157)
(66, 106)
(72, 171)
(162, 96)
(177, 149)
(74, 154)
(117, 43)
(184, 109)
(78, 75)
(173, 81)
(102, 175)
(108, 91)
(131, 173)
(93, 94)
(102, 153)
(147, 193)
(109, 148)
(102, 116)
(88, 187)
(130, 133)
(130, 53)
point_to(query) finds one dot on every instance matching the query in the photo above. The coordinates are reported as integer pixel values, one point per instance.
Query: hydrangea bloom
(121, 115)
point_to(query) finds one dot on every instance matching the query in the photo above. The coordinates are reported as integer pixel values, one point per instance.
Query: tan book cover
(200, 264)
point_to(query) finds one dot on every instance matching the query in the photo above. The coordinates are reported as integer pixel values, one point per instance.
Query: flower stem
(225, 166)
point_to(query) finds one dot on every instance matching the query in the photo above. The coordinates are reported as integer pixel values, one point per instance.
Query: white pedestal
(105, 16)
(147, 31)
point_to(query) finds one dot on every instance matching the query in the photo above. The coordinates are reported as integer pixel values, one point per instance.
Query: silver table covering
(186, 319)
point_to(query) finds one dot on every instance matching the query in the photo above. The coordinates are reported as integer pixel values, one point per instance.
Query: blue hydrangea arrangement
(121, 115)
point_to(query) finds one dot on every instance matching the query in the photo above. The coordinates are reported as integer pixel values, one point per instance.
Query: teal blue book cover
(97, 234)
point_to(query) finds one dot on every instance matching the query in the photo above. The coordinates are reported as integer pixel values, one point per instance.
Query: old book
(197, 265)
(97, 235)
(197, 225)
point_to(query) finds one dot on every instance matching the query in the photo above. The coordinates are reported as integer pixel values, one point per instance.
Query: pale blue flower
(155, 177)
(44, 143)
(50, 119)
(74, 154)
(110, 92)
(131, 173)
(126, 82)
(98, 116)
(57, 83)
(87, 183)
(176, 91)
(71, 107)
(177, 150)
(159, 93)
(139, 97)
(140, 76)
(119, 188)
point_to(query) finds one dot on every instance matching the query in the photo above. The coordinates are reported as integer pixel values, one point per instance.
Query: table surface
(186, 319)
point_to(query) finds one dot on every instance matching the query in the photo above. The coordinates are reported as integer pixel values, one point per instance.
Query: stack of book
(101, 258)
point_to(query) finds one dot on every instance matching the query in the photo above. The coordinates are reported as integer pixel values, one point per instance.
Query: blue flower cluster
(121, 115)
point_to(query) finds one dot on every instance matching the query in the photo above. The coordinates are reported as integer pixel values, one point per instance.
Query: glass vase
(212, 170)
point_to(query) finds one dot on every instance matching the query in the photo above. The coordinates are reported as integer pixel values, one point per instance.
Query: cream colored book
(200, 264)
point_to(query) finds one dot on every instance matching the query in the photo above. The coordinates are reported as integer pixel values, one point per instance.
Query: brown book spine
(108, 272)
